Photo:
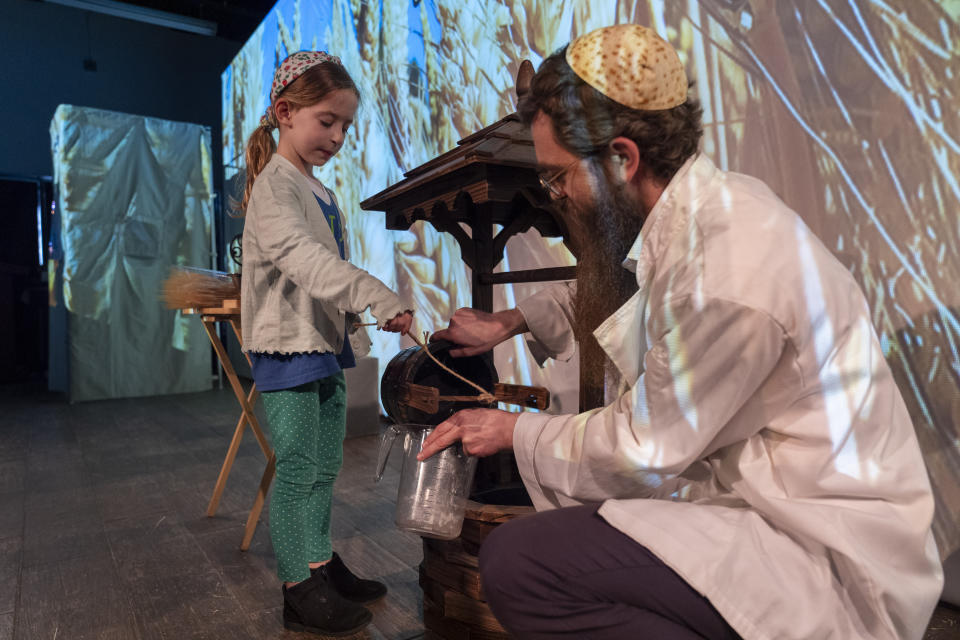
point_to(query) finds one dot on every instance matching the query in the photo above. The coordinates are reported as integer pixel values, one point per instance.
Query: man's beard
(603, 284)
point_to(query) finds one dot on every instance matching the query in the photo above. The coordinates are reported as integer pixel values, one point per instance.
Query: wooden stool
(229, 311)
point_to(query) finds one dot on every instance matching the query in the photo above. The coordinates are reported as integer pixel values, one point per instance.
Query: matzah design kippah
(631, 65)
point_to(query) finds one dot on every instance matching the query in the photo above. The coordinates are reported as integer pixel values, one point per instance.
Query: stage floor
(103, 532)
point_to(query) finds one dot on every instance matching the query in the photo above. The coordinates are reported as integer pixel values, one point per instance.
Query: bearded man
(755, 473)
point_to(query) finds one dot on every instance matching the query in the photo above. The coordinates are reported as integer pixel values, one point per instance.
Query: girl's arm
(284, 238)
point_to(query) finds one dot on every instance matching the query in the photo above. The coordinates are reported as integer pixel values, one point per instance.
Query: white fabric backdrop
(134, 198)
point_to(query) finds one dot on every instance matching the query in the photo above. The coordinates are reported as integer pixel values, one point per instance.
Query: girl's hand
(399, 323)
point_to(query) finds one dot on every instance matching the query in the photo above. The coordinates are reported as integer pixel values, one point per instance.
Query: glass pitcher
(432, 496)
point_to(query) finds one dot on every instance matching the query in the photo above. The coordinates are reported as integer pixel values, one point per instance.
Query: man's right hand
(478, 331)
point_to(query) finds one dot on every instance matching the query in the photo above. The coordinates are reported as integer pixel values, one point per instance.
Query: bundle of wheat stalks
(188, 287)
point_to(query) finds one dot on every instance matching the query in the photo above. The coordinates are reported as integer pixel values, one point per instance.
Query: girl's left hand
(400, 323)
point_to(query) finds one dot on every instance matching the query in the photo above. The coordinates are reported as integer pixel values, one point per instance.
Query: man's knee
(505, 558)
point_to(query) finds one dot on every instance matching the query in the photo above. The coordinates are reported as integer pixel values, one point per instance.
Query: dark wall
(141, 69)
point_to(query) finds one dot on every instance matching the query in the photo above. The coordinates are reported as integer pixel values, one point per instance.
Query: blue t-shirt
(275, 371)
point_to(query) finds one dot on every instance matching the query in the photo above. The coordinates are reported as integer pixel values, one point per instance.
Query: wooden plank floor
(103, 533)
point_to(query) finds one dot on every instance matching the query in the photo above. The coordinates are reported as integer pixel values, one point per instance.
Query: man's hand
(478, 331)
(482, 431)
(399, 323)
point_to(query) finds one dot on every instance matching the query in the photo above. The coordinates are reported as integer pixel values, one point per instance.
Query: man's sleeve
(549, 316)
(705, 370)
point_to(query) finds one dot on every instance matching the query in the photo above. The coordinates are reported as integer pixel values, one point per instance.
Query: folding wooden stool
(229, 311)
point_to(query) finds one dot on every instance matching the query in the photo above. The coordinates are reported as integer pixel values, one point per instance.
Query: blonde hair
(310, 88)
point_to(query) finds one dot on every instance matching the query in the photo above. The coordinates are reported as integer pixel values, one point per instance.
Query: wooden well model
(489, 179)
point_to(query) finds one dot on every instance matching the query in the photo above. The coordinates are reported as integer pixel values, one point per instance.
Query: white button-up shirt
(759, 445)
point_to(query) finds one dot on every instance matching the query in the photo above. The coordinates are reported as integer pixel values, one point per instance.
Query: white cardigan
(295, 289)
(760, 448)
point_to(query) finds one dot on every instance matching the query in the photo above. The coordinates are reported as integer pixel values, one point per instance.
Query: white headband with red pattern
(289, 70)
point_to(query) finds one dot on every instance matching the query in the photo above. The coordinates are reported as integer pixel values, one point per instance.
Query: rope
(485, 396)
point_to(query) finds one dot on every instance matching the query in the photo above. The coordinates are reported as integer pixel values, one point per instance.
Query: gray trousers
(566, 573)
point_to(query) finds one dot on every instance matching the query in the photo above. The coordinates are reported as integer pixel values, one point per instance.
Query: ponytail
(260, 146)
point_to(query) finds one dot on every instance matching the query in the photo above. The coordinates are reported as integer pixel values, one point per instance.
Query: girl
(300, 299)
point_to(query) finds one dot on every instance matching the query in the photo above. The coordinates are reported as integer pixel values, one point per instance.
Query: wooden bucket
(413, 365)
(454, 607)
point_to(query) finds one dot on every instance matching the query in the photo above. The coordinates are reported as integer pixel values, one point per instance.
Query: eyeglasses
(550, 184)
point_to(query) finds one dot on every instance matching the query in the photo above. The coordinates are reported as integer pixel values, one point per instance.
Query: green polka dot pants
(307, 427)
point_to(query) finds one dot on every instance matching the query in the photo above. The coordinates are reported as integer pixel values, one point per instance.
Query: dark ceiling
(235, 19)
